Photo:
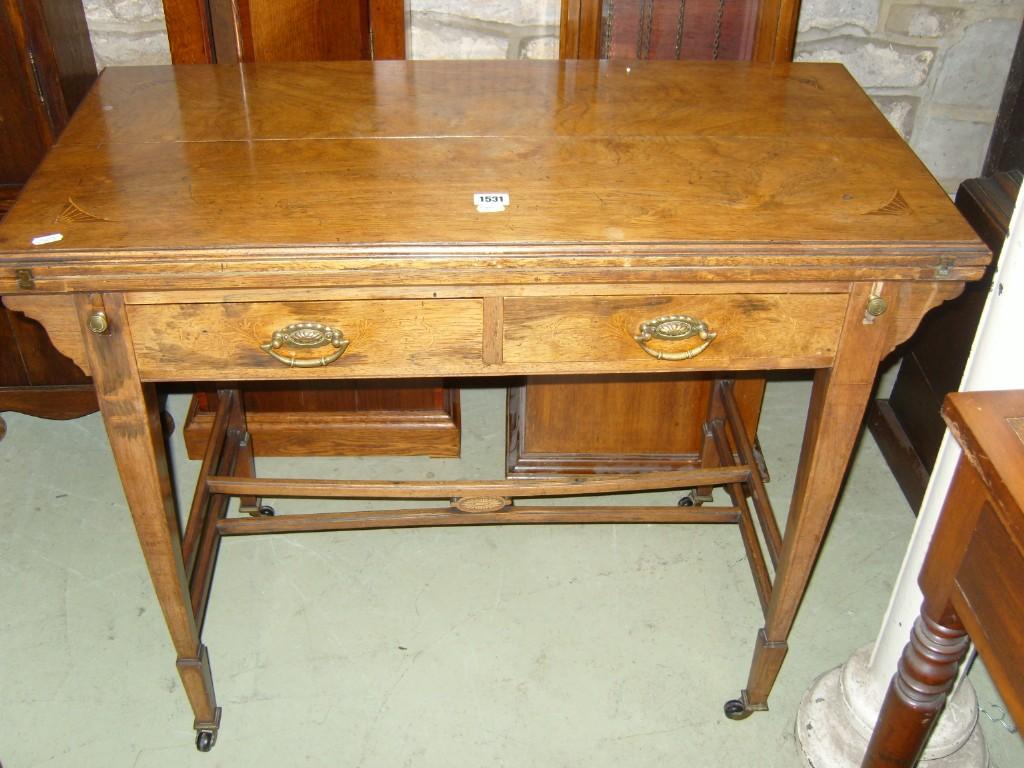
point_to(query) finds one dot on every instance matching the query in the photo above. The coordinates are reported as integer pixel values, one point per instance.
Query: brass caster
(263, 510)
(735, 709)
(205, 739)
(694, 499)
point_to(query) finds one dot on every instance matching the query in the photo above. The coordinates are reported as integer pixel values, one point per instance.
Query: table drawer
(400, 337)
(739, 331)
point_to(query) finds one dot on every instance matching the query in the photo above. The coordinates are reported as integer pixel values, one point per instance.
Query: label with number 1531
(491, 202)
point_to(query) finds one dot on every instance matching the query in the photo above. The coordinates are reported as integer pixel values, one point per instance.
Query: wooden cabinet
(970, 580)
(420, 417)
(46, 66)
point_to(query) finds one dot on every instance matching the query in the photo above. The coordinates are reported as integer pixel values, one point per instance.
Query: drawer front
(740, 331)
(392, 338)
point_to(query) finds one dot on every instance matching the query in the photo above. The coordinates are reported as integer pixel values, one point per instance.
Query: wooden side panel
(25, 132)
(605, 424)
(189, 31)
(580, 31)
(306, 30)
(68, 36)
(372, 418)
(387, 25)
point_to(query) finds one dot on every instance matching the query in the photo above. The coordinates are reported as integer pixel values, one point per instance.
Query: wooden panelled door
(365, 418)
(46, 66)
(608, 425)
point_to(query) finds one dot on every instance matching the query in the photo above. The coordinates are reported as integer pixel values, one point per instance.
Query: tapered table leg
(838, 402)
(132, 419)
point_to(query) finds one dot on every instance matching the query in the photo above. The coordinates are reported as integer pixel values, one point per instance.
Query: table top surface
(607, 157)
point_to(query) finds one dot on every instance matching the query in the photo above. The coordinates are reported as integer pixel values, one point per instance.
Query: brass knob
(877, 306)
(98, 323)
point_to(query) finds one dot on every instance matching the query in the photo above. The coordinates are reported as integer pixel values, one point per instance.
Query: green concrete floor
(542, 646)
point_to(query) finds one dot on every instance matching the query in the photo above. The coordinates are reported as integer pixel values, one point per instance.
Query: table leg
(838, 401)
(918, 691)
(132, 419)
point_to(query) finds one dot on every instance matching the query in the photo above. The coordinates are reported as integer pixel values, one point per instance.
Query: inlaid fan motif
(72, 213)
(896, 206)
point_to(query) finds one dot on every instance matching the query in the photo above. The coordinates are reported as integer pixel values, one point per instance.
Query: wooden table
(971, 580)
(319, 222)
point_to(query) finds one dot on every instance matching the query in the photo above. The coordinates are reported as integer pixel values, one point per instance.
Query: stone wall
(935, 67)
(484, 29)
(127, 32)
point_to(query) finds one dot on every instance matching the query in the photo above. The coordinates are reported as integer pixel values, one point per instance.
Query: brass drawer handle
(306, 335)
(674, 328)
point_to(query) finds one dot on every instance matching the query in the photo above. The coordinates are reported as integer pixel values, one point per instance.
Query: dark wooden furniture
(230, 31)
(906, 425)
(971, 580)
(369, 418)
(748, 30)
(46, 66)
(569, 428)
(204, 258)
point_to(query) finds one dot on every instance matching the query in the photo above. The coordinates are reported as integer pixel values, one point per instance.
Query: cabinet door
(46, 65)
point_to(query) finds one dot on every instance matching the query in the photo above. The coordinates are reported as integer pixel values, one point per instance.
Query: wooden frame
(215, 31)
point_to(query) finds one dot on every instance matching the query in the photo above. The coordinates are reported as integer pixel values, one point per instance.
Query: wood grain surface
(762, 330)
(254, 162)
(393, 338)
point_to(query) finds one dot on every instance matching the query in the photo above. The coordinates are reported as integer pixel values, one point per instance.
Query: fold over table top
(180, 176)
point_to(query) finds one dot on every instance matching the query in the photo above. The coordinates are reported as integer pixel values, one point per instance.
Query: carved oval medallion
(307, 335)
(481, 503)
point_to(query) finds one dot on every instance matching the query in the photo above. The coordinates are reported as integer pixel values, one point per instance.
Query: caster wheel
(168, 423)
(736, 710)
(264, 510)
(205, 740)
(693, 499)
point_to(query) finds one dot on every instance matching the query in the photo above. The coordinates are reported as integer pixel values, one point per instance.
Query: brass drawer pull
(674, 328)
(306, 335)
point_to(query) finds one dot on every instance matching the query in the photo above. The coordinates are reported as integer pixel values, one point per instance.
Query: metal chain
(679, 28)
(718, 29)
